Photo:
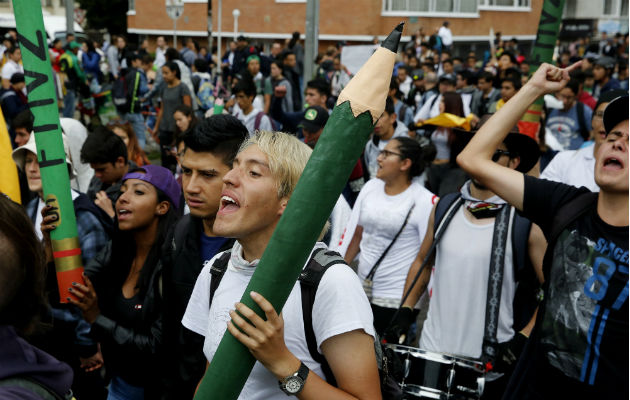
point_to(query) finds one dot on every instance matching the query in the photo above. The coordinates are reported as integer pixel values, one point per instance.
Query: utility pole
(218, 14)
(69, 16)
(311, 38)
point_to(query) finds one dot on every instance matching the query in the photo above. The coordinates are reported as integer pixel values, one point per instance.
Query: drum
(469, 378)
(428, 375)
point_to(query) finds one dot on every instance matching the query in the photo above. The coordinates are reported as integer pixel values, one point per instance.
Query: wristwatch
(293, 384)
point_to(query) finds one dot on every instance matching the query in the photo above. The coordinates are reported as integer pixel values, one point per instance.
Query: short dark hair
(246, 86)
(513, 72)
(389, 106)
(22, 271)
(285, 54)
(103, 146)
(171, 54)
(24, 119)
(509, 54)
(404, 68)
(516, 83)
(467, 76)
(201, 65)
(13, 49)
(574, 85)
(221, 135)
(448, 60)
(486, 76)
(320, 85)
(172, 65)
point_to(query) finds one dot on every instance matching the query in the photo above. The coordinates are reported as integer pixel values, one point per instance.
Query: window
(132, 5)
(616, 8)
(447, 8)
(609, 5)
(505, 5)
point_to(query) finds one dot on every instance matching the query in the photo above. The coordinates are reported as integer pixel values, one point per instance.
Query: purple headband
(159, 177)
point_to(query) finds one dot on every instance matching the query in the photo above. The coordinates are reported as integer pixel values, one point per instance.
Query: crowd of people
(526, 279)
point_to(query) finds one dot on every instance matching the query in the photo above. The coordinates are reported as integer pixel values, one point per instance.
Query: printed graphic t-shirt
(581, 339)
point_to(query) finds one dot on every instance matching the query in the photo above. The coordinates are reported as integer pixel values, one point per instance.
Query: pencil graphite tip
(391, 42)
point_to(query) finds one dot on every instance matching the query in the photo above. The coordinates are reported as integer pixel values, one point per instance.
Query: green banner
(542, 52)
(42, 101)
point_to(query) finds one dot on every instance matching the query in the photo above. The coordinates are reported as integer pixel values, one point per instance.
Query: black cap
(616, 111)
(606, 62)
(418, 75)
(315, 117)
(17, 78)
(448, 78)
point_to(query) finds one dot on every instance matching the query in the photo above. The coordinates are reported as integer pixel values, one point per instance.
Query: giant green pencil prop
(548, 26)
(42, 101)
(359, 106)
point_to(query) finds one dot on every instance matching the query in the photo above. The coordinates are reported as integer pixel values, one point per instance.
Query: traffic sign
(174, 8)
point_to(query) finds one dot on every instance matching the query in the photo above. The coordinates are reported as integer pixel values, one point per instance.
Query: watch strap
(303, 371)
(301, 374)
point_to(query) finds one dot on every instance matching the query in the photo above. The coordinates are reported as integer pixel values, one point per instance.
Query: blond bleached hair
(287, 157)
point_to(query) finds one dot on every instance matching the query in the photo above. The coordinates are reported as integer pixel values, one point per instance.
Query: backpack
(35, 387)
(124, 100)
(311, 275)
(205, 94)
(528, 288)
(584, 132)
(258, 120)
(402, 112)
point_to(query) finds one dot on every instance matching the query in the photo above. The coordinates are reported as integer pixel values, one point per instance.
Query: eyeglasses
(497, 154)
(387, 153)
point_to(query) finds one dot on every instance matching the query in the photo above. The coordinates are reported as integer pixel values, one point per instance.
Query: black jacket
(185, 362)
(131, 353)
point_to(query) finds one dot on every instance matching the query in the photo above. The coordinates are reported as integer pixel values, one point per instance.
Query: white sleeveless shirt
(457, 309)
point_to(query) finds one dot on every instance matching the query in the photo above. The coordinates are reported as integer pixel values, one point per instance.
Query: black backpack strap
(320, 261)
(217, 271)
(526, 298)
(584, 132)
(442, 207)
(521, 227)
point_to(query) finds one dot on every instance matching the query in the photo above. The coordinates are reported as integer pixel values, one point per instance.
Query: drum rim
(452, 358)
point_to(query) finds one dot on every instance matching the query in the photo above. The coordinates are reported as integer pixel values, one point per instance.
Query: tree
(106, 14)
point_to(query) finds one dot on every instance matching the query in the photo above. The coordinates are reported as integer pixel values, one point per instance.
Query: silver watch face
(294, 384)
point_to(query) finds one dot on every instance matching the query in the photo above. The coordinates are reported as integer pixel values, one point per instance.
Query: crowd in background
(126, 107)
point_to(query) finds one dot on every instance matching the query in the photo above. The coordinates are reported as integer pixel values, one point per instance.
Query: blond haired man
(255, 194)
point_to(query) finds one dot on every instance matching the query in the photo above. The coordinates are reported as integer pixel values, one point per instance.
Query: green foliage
(106, 14)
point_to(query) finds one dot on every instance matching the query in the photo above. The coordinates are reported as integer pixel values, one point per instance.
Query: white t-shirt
(573, 167)
(249, 120)
(340, 306)
(457, 310)
(446, 35)
(10, 68)
(381, 216)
